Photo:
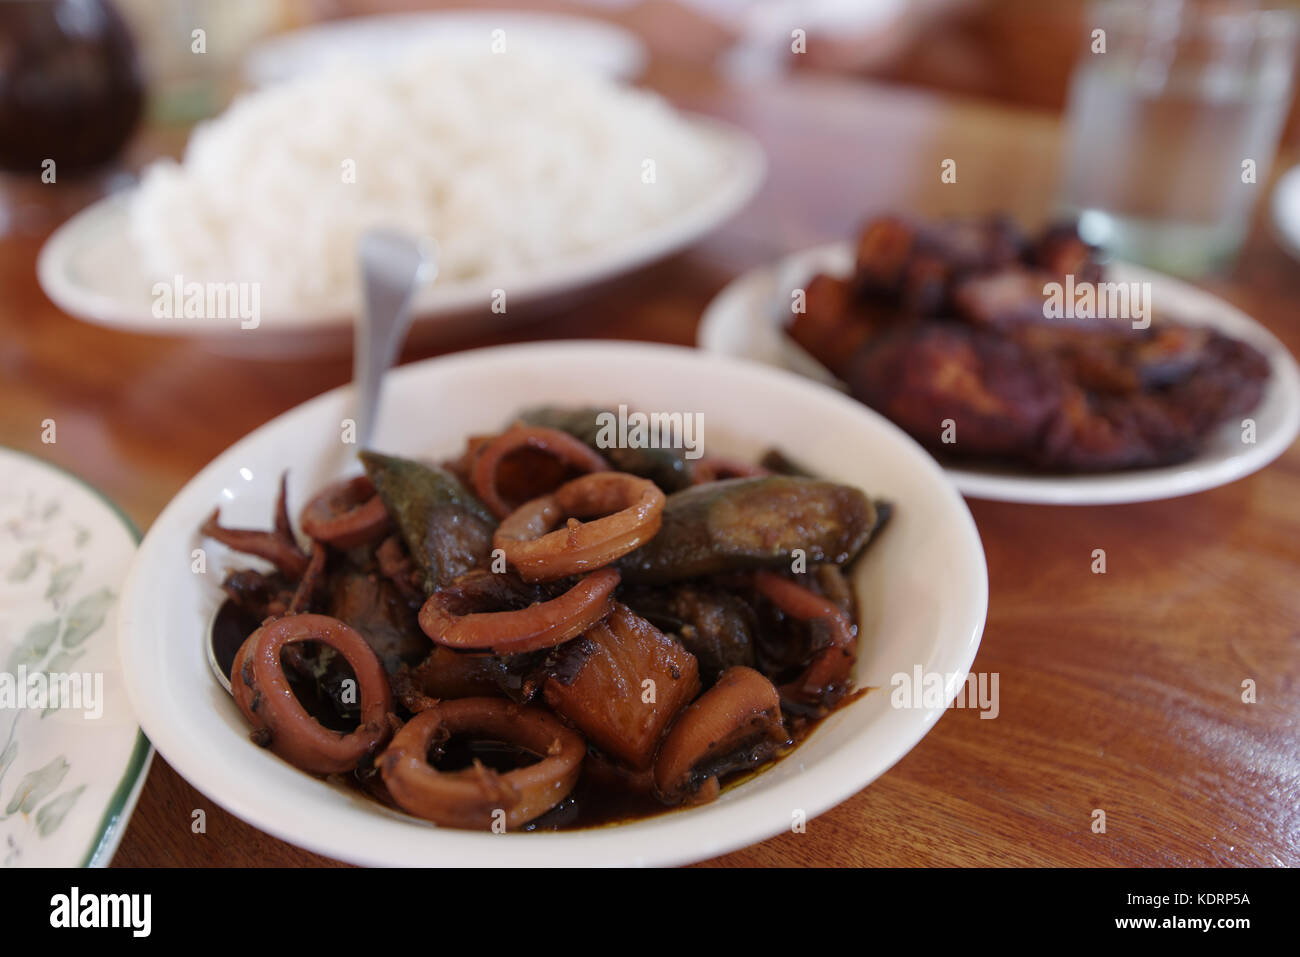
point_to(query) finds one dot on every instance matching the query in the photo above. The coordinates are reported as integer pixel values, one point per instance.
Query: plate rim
(1286, 229)
(124, 796)
(822, 787)
(252, 65)
(444, 299)
(1084, 489)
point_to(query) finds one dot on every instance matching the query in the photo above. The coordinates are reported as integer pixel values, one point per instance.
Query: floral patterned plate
(72, 758)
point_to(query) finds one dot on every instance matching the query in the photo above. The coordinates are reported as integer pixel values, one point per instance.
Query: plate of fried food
(1032, 369)
(612, 604)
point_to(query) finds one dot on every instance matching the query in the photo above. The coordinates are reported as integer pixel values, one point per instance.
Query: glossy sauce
(594, 802)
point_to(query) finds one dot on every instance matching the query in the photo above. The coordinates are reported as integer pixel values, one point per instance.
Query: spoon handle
(392, 266)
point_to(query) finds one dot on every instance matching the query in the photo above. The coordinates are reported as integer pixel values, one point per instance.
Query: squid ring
(570, 451)
(741, 709)
(633, 511)
(715, 469)
(262, 692)
(476, 796)
(829, 674)
(346, 514)
(447, 617)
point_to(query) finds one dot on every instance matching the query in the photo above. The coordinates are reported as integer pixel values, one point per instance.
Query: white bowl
(746, 318)
(923, 590)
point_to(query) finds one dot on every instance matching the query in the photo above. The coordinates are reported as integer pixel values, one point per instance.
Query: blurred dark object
(70, 84)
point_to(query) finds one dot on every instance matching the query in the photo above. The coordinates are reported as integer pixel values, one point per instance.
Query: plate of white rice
(532, 176)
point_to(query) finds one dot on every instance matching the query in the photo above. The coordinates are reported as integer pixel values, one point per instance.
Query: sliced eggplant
(446, 529)
(751, 523)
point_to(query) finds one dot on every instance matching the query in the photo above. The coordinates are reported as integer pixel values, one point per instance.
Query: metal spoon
(393, 265)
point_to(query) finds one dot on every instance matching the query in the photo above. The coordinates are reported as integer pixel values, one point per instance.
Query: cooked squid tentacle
(311, 578)
(829, 675)
(477, 796)
(263, 694)
(278, 547)
(397, 567)
(447, 674)
(562, 446)
(450, 617)
(667, 466)
(735, 724)
(282, 508)
(716, 469)
(346, 514)
(631, 511)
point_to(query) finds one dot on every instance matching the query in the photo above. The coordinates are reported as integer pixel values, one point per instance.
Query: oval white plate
(68, 779)
(923, 590)
(603, 47)
(90, 268)
(745, 320)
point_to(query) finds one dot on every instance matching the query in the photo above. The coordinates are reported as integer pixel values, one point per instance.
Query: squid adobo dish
(985, 343)
(543, 633)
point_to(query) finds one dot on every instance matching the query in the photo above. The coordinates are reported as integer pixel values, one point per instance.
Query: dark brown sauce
(461, 751)
(593, 803)
(598, 805)
(230, 629)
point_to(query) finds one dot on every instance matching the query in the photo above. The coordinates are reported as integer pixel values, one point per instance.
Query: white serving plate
(68, 779)
(923, 590)
(745, 320)
(375, 40)
(91, 269)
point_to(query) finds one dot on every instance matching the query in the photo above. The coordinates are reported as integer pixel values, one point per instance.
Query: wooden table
(1119, 691)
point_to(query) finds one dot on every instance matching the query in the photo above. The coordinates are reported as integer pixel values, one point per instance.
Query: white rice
(508, 161)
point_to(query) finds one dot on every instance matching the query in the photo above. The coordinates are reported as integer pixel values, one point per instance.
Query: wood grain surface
(1119, 691)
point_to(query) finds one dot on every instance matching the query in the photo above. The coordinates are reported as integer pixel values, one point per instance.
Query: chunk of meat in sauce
(714, 625)
(608, 698)
(375, 608)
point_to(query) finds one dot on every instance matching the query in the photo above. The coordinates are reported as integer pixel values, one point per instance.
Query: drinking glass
(1174, 117)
